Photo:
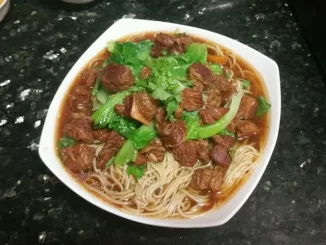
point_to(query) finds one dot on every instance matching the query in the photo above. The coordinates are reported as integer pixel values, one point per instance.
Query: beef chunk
(210, 115)
(202, 151)
(80, 100)
(186, 153)
(201, 73)
(157, 50)
(124, 109)
(141, 159)
(207, 179)
(181, 43)
(224, 140)
(110, 149)
(192, 99)
(145, 73)
(80, 129)
(220, 155)
(160, 116)
(164, 40)
(78, 157)
(116, 78)
(144, 107)
(248, 107)
(223, 85)
(101, 134)
(155, 151)
(214, 97)
(88, 77)
(172, 133)
(178, 112)
(247, 129)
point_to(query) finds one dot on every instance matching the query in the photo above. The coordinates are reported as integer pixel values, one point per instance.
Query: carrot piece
(216, 59)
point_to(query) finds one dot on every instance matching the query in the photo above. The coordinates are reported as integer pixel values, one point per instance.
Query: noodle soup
(163, 125)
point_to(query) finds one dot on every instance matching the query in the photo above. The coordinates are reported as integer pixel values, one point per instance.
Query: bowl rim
(47, 149)
(3, 3)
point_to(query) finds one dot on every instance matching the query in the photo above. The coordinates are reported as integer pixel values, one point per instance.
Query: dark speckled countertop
(41, 40)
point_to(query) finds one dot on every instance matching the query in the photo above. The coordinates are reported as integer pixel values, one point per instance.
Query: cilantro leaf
(245, 83)
(136, 171)
(216, 68)
(66, 142)
(161, 94)
(171, 107)
(263, 106)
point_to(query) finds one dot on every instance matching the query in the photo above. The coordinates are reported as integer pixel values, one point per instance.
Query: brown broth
(257, 88)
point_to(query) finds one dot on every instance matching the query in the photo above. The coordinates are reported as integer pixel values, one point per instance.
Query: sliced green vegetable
(136, 171)
(245, 83)
(127, 153)
(215, 128)
(143, 136)
(193, 124)
(123, 126)
(96, 86)
(216, 68)
(227, 133)
(105, 114)
(263, 106)
(102, 95)
(197, 52)
(66, 142)
(110, 162)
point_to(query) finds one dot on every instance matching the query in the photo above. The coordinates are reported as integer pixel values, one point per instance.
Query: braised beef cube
(181, 43)
(164, 39)
(210, 115)
(144, 107)
(248, 107)
(157, 50)
(111, 147)
(201, 73)
(124, 109)
(224, 86)
(145, 73)
(224, 140)
(78, 157)
(141, 159)
(220, 155)
(214, 97)
(192, 99)
(155, 151)
(178, 112)
(202, 151)
(247, 129)
(80, 129)
(207, 179)
(80, 100)
(172, 133)
(160, 115)
(88, 77)
(116, 78)
(101, 134)
(186, 153)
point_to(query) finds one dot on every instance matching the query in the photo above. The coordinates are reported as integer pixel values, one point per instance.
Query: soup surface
(163, 124)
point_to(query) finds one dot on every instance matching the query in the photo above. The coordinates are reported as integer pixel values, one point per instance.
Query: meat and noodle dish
(165, 125)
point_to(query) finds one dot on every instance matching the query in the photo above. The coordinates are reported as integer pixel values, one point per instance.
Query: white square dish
(268, 70)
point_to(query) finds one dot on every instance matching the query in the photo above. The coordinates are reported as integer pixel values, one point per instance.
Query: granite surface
(41, 40)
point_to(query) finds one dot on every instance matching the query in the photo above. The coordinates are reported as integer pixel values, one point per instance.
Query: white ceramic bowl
(264, 65)
(4, 8)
